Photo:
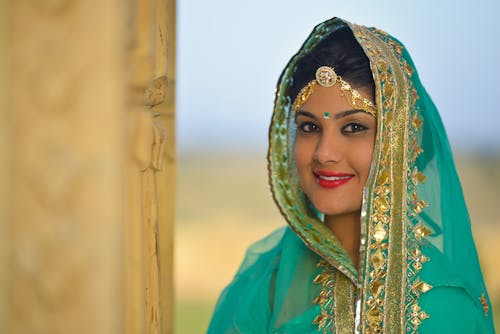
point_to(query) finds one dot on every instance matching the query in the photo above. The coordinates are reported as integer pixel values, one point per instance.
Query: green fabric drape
(418, 271)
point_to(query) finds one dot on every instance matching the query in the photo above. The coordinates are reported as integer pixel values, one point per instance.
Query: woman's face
(333, 155)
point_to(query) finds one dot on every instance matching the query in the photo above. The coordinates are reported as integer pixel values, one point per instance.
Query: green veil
(418, 270)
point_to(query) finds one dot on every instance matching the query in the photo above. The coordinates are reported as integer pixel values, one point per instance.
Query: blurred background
(230, 55)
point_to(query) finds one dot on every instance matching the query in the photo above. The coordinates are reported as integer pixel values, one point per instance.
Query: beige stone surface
(3, 166)
(88, 156)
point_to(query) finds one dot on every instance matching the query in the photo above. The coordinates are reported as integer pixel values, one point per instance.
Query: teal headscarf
(418, 269)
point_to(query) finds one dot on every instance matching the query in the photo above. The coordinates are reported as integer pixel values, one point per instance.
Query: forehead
(325, 99)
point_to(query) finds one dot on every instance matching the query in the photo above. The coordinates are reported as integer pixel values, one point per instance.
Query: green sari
(418, 268)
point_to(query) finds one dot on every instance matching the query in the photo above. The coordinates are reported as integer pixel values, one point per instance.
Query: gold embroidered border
(391, 284)
(379, 207)
(326, 299)
(345, 302)
(415, 230)
(398, 139)
(336, 301)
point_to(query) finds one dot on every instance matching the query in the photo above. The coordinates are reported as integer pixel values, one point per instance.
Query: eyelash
(355, 128)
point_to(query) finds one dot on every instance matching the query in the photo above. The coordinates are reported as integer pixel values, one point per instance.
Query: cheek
(303, 154)
(365, 159)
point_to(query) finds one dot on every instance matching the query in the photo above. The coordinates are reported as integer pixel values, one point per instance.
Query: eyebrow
(337, 116)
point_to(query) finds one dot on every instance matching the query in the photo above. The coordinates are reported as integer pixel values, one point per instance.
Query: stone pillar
(151, 168)
(87, 172)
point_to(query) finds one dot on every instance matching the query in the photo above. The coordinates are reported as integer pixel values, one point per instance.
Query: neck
(347, 229)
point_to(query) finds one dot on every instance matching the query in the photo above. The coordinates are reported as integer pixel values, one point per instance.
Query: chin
(329, 209)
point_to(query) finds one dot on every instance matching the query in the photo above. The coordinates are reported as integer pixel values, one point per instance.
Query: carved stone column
(87, 172)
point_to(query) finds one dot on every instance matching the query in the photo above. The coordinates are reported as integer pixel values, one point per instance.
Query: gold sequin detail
(418, 204)
(484, 302)
(421, 231)
(417, 315)
(421, 286)
(417, 177)
(379, 233)
(416, 122)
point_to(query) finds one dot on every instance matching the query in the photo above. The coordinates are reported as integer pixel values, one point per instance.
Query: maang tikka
(326, 77)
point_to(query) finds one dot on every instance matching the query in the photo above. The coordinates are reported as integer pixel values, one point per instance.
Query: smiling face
(333, 155)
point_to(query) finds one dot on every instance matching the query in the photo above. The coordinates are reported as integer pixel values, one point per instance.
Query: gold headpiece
(326, 77)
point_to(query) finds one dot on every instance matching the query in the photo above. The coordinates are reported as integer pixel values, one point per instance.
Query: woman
(379, 238)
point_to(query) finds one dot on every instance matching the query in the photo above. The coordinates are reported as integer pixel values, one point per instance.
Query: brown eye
(354, 128)
(308, 127)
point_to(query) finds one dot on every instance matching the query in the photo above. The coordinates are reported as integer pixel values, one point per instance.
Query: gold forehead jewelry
(326, 77)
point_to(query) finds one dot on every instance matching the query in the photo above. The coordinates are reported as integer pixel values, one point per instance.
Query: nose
(329, 149)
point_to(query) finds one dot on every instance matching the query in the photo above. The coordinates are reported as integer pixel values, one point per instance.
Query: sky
(231, 53)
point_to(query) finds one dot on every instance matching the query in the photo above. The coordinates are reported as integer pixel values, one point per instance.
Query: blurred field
(224, 204)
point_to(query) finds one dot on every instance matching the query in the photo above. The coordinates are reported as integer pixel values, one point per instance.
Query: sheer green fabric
(418, 271)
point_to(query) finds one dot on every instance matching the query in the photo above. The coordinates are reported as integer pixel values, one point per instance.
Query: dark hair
(341, 51)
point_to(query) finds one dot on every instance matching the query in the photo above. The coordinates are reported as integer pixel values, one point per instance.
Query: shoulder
(451, 310)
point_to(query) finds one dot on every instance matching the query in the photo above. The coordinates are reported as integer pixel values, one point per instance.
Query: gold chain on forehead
(326, 77)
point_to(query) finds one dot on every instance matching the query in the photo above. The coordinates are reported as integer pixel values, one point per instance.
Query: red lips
(329, 179)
